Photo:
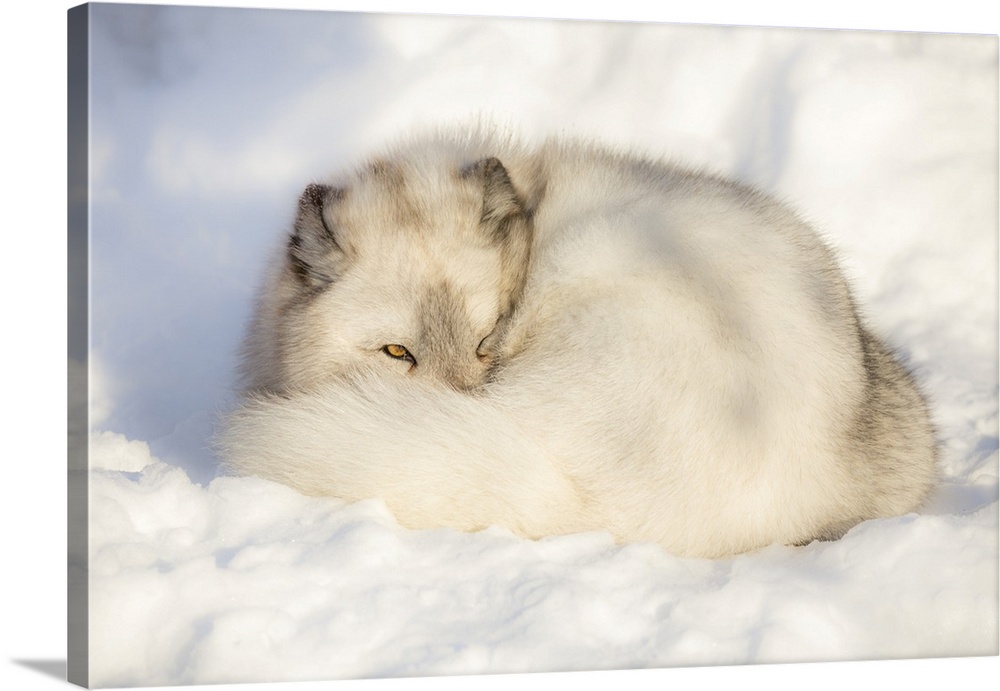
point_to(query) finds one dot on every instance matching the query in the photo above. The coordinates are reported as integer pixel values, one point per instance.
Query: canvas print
(412, 345)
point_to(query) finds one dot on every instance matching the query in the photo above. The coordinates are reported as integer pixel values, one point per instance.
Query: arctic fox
(569, 338)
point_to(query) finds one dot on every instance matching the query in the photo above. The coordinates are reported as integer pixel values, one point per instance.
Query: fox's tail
(436, 456)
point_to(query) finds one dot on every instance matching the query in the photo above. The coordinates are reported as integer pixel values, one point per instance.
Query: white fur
(684, 366)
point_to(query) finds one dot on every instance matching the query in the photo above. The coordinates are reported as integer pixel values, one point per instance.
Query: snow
(206, 123)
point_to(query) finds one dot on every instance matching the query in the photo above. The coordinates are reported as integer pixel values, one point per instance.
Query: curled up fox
(567, 338)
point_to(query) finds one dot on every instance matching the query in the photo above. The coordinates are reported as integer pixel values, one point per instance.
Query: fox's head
(404, 270)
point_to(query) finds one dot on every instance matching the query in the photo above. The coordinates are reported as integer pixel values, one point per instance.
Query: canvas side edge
(78, 346)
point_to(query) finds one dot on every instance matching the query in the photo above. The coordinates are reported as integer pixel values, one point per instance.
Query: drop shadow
(51, 668)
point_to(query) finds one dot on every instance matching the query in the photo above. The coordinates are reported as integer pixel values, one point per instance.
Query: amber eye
(394, 350)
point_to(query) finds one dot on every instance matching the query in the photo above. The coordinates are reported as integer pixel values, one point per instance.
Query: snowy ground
(206, 123)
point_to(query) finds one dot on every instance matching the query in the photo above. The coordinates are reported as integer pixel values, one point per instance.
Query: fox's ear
(507, 221)
(500, 198)
(313, 252)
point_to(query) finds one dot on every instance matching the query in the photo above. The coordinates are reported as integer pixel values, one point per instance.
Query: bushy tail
(436, 456)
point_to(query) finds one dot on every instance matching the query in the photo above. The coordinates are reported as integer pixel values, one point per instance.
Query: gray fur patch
(447, 340)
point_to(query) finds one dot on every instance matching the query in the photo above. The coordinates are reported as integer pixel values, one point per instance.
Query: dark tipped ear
(500, 198)
(313, 252)
(510, 226)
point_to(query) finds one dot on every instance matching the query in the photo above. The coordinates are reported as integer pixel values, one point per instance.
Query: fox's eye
(394, 350)
(481, 349)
